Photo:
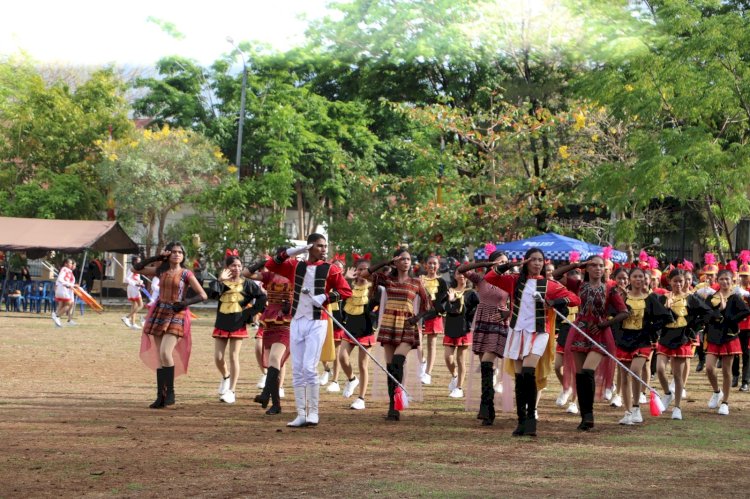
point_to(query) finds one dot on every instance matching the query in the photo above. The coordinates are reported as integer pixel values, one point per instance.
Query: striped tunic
(164, 319)
(399, 306)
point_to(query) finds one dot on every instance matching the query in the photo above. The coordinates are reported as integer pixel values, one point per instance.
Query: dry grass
(74, 422)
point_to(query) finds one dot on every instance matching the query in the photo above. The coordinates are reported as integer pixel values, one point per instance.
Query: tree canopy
(442, 124)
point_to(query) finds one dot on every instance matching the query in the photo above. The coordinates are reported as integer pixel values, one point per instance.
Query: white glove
(294, 250)
(318, 300)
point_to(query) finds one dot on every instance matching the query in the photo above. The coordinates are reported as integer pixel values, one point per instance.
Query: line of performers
(514, 312)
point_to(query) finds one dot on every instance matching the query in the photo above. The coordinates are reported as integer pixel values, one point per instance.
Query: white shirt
(305, 304)
(527, 309)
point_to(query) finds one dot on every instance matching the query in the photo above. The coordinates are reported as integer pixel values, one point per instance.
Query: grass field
(74, 421)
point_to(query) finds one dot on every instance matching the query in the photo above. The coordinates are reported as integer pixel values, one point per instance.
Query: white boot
(313, 396)
(301, 403)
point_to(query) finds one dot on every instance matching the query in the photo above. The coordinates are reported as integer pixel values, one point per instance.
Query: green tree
(151, 174)
(684, 91)
(48, 134)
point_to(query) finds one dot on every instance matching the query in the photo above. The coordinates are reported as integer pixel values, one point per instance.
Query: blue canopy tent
(555, 247)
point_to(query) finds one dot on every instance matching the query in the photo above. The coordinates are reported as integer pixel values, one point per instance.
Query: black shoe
(393, 415)
(275, 409)
(735, 381)
(587, 422)
(262, 400)
(490, 419)
(530, 430)
(699, 367)
(483, 412)
(520, 428)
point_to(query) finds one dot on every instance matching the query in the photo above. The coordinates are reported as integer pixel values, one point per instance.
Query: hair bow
(341, 257)
(357, 257)
(231, 252)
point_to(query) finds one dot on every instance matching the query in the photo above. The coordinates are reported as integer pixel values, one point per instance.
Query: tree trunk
(712, 222)
(162, 223)
(149, 223)
(300, 211)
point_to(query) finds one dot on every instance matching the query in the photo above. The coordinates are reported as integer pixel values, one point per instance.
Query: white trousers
(305, 344)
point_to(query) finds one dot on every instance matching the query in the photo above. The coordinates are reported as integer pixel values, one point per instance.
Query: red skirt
(259, 333)
(275, 335)
(684, 351)
(626, 356)
(338, 334)
(559, 349)
(461, 341)
(731, 348)
(433, 326)
(366, 341)
(241, 333)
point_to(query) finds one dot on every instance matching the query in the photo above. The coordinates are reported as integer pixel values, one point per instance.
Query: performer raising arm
(398, 333)
(240, 300)
(530, 327)
(583, 356)
(169, 321)
(490, 329)
(316, 283)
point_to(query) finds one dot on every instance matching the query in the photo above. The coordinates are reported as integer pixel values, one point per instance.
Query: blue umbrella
(554, 246)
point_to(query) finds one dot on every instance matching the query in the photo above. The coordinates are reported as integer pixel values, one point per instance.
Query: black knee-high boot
(168, 386)
(159, 402)
(392, 413)
(265, 395)
(487, 404)
(398, 373)
(272, 382)
(520, 406)
(585, 387)
(529, 387)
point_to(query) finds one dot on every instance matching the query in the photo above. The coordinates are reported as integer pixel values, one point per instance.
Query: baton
(307, 292)
(538, 297)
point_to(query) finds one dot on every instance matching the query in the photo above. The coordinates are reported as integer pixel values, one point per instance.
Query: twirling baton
(654, 395)
(306, 291)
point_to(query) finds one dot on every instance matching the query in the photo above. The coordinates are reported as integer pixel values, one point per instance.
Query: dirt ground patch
(74, 421)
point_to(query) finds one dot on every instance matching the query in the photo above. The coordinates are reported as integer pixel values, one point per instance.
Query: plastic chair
(33, 292)
(27, 291)
(48, 296)
(15, 302)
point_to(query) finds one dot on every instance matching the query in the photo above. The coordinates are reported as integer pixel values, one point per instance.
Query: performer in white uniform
(316, 283)
(135, 283)
(64, 298)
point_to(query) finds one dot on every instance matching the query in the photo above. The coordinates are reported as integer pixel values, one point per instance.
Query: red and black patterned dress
(490, 329)
(163, 319)
(399, 306)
